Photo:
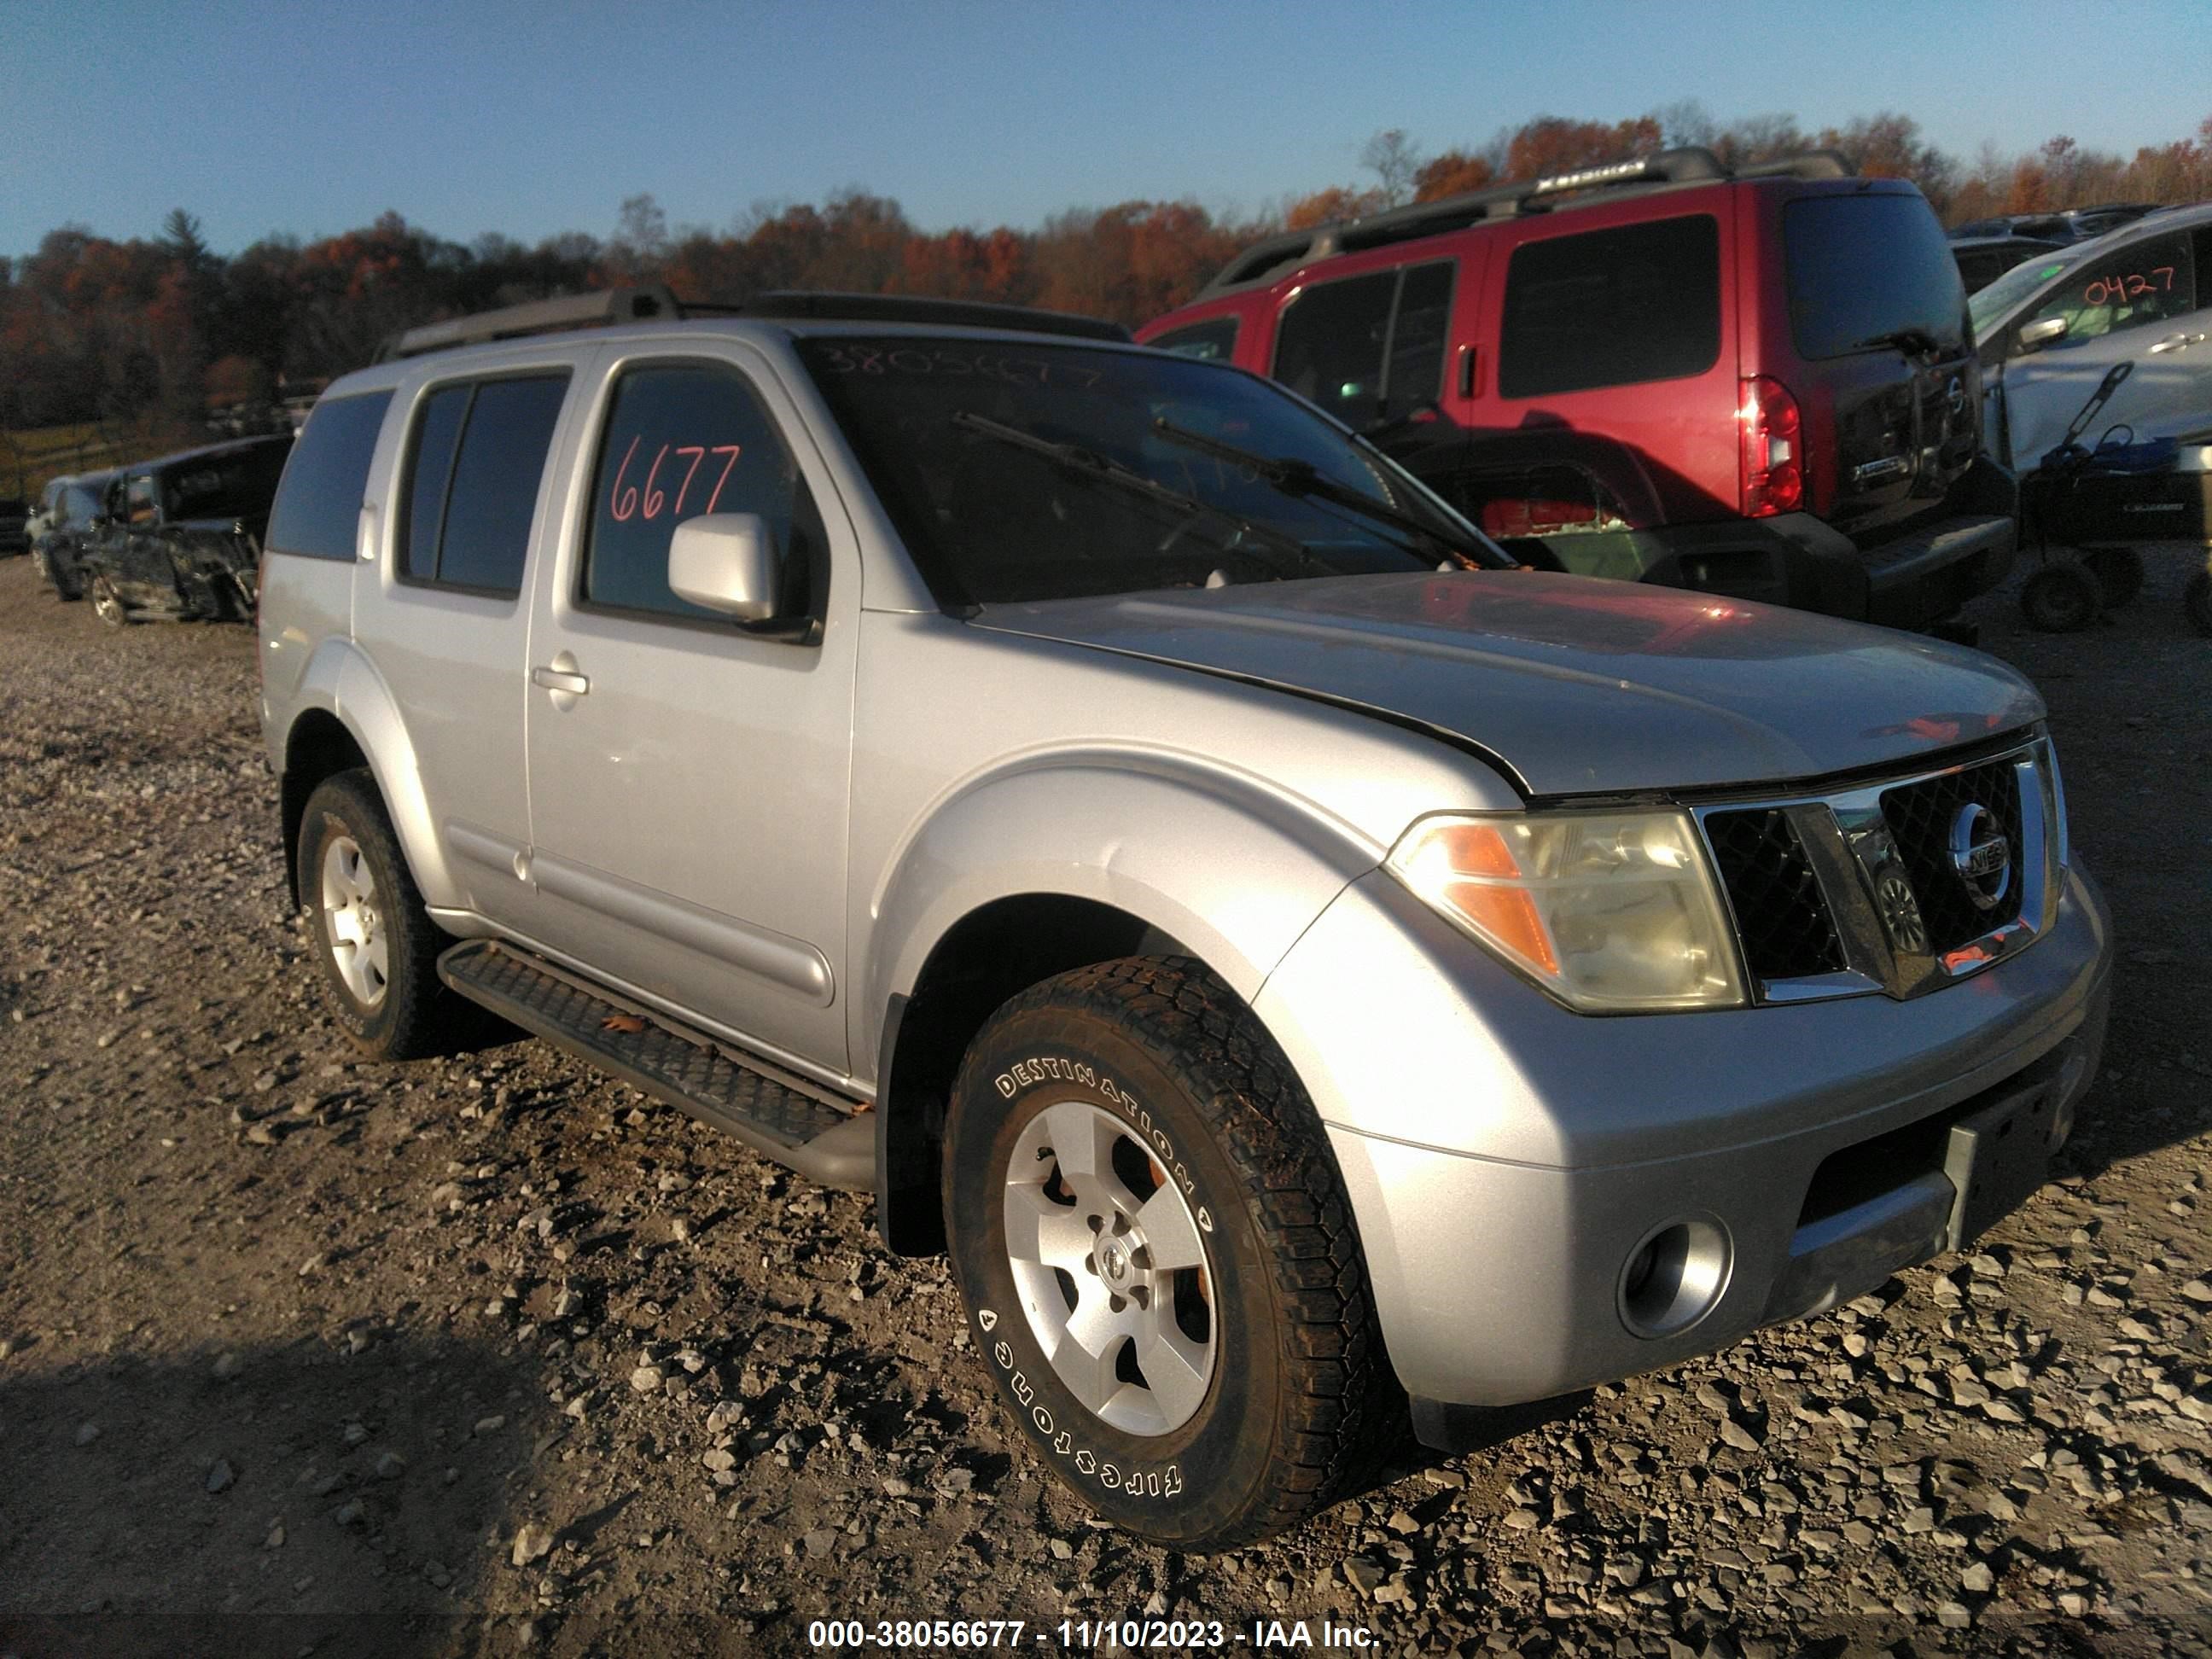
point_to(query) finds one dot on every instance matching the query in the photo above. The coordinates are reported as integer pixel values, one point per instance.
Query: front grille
(1781, 917)
(1920, 816)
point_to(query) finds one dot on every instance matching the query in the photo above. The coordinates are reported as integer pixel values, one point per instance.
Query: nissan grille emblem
(1981, 855)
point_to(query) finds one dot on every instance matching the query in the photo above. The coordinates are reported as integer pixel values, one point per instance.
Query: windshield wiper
(1918, 342)
(1297, 479)
(1089, 462)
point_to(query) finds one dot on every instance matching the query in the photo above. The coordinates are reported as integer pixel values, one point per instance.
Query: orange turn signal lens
(1472, 870)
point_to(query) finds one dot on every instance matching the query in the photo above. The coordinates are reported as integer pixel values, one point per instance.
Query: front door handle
(2176, 342)
(555, 677)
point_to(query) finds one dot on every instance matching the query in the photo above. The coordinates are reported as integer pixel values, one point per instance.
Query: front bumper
(1505, 1157)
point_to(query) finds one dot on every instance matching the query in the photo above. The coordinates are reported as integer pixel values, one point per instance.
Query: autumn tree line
(154, 332)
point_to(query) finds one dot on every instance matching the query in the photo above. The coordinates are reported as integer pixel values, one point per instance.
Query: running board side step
(684, 1069)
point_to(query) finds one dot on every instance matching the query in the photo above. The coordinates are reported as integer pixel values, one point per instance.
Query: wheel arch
(1056, 867)
(347, 717)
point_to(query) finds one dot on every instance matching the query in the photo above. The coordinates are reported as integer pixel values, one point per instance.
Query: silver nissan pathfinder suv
(1294, 962)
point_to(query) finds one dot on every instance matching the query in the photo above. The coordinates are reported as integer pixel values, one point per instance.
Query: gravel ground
(493, 1354)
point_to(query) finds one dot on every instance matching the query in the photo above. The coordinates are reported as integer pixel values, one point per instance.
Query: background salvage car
(76, 509)
(1756, 382)
(2050, 329)
(181, 537)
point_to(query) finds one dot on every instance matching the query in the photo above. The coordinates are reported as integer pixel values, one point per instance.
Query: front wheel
(106, 604)
(1159, 1257)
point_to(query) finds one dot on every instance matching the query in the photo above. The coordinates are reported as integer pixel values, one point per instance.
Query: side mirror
(2034, 336)
(723, 562)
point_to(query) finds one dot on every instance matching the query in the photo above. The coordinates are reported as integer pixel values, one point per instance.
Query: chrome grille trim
(1872, 901)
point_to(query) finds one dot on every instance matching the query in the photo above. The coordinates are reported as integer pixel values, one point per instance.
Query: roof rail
(912, 308)
(1810, 164)
(1687, 164)
(652, 302)
(614, 305)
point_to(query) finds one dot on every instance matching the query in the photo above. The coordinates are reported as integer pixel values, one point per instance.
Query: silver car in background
(1293, 961)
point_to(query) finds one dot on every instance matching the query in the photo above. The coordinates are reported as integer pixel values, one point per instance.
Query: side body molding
(342, 680)
(1231, 865)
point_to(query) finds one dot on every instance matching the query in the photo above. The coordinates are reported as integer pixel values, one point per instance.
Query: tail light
(1773, 448)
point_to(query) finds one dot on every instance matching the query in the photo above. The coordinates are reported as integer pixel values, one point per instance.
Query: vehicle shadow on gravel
(278, 1500)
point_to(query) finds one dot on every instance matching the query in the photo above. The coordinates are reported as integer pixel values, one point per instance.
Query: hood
(1576, 686)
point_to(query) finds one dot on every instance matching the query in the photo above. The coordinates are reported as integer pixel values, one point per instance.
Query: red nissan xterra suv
(1758, 383)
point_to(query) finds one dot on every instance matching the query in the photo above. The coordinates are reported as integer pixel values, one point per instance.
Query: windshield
(1018, 471)
(1990, 305)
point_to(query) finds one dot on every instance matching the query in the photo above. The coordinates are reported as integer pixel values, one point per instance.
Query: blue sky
(310, 117)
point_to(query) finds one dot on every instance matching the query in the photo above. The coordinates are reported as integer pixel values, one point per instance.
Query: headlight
(1611, 913)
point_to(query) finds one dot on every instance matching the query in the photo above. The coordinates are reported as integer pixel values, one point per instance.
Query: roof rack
(652, 302)
(1686, 165)
(793, 303)
(613, 305)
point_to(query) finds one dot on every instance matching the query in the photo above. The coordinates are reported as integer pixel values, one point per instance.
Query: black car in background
(1982, 259)
(15, 518)
(181, 537)
(72, 515)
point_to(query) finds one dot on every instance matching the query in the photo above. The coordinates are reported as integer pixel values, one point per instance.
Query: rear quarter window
(317, 509)
(1863, 267)
(1612, 308)
(1213, 341)
(1368, 347)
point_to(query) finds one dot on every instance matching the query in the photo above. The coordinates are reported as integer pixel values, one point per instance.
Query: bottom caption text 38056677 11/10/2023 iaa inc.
(1068, 1636)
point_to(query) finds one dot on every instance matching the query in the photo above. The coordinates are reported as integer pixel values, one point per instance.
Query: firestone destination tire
(375, 942)
(1160, 1265)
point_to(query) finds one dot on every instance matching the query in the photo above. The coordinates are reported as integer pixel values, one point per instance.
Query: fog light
(1672, 1279)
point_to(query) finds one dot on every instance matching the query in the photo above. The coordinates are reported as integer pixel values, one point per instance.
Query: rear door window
(1367, 348)
(1613, 307)
(477, 459)
(1863, 269)
(318, 510)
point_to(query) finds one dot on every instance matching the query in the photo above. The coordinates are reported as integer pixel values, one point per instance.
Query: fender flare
(1230, 865)
(341, 682)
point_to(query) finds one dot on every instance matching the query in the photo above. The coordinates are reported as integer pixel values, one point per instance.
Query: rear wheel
(1159, 1257)
(376, 944)
(2062, 597)
(2118, 571)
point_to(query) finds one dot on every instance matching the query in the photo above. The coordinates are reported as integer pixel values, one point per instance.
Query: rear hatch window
(1864, 268)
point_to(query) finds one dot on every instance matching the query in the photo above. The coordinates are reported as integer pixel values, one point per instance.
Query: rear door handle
(2176, 342)
(560, 679)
